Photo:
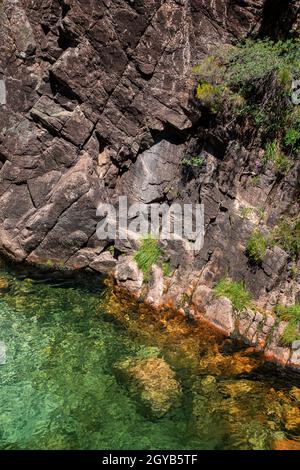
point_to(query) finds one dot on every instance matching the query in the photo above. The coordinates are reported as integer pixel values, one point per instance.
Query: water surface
(59, 387)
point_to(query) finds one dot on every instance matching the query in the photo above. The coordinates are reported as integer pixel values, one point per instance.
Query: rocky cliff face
(97, 100)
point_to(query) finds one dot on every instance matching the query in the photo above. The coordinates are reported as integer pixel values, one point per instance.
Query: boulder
(152, 382)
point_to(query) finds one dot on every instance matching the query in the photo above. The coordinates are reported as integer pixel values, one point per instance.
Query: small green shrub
(166, 267)
(193, 161)
(255, 180)
(209, 95)
(293, 270)
(287, 235)
(291, 314)
(234, 291)
(282, 165)
(271, 151)
(253, 60)
(253, 79)
(280, 161)
(292, 138)
(260, 213)
(246, 212)
(147, 255)
(256, 247)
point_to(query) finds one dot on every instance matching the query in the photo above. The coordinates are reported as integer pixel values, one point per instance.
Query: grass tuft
(234, 291)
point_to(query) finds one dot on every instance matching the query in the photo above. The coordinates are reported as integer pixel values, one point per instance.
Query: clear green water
(59, 389)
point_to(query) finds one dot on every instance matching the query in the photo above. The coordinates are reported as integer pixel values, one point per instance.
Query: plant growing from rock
(280, 161)
(256, 247)
(253, 79)
(287, 235)
(260, 213)
(255, 180)
(167, 270)
(194, 161)
(236, 292)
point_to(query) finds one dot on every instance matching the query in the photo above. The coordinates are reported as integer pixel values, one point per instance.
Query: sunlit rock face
(78, 79)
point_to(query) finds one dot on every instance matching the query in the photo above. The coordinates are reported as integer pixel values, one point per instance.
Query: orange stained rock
(291, 416)
(286, 444)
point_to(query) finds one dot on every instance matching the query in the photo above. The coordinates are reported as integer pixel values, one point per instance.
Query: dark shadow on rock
(278, 18)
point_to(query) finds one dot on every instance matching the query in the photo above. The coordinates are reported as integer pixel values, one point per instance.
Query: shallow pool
(60, 386)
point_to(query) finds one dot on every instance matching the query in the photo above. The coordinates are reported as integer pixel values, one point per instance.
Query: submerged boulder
(152, 381)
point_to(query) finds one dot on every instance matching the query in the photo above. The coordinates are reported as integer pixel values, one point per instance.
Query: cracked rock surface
(97, 101)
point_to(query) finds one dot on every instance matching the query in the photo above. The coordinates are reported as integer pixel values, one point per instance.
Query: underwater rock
(153, 382)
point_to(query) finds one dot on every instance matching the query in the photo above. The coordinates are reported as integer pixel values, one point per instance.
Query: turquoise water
(59, 388)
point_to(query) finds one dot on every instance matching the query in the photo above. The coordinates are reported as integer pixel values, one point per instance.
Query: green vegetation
(172, 192)
(260, 213)
(148, 254)
(293, 270)
(256, 247)
(50, 263)
(287, 235)
(234, 291)
(253, 80)
(292, 138)
(291, 314)
(194, 161)
(271, 151)
(253, 60)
